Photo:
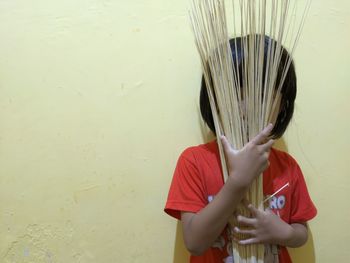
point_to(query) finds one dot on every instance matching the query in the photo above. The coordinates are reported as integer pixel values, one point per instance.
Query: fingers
(225, 143)
(267, 146)
(263, 135)
(250, 232)
(246, 221)
(249, 241)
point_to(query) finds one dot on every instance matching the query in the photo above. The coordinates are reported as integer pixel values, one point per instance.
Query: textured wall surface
(98, 99)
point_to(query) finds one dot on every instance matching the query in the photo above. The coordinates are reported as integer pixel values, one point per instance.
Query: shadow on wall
(181, 254)
(299, 255)
(305, 253)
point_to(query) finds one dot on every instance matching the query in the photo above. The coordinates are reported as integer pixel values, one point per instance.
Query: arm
(268, 228)
(298, 237)
(201, 229)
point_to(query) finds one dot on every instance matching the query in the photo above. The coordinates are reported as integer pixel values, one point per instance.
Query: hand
(244, 165)
(264, 228)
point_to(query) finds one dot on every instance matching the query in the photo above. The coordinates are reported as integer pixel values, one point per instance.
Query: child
(204, 203)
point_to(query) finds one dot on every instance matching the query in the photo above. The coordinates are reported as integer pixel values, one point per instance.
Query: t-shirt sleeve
(186, 192)
(303, 208)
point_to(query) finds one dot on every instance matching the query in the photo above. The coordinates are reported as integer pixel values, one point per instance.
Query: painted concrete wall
(98, 99)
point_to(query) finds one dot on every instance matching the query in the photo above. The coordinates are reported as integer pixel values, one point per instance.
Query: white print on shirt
(228, 259)
(277, 202)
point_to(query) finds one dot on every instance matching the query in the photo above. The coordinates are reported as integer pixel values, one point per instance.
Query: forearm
(296, 237)
(203, 228)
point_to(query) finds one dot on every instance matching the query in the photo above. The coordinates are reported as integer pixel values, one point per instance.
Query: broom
(244, 94)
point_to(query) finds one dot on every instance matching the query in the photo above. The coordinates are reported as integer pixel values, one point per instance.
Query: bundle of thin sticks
(245, 91)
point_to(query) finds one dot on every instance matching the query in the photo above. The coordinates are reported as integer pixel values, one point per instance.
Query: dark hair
(288, 90)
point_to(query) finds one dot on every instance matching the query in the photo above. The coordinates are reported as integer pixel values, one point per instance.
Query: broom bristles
(244, 94)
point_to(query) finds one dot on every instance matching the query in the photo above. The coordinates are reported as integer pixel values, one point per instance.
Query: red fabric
(198, 178)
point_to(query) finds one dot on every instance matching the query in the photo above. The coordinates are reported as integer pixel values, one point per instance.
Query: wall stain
(79, 193)
(36, 244)
(126, 88)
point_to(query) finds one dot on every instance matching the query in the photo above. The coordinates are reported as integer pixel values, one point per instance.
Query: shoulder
(282, 158)
(204, 159)
(284, 165)
(198, 153)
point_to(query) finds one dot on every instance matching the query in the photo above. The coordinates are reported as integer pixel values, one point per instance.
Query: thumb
(226, 144)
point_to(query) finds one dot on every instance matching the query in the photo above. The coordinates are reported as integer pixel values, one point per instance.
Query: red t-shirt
(198, 178)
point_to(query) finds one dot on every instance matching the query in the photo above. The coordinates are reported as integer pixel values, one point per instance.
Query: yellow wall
(97, 100)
